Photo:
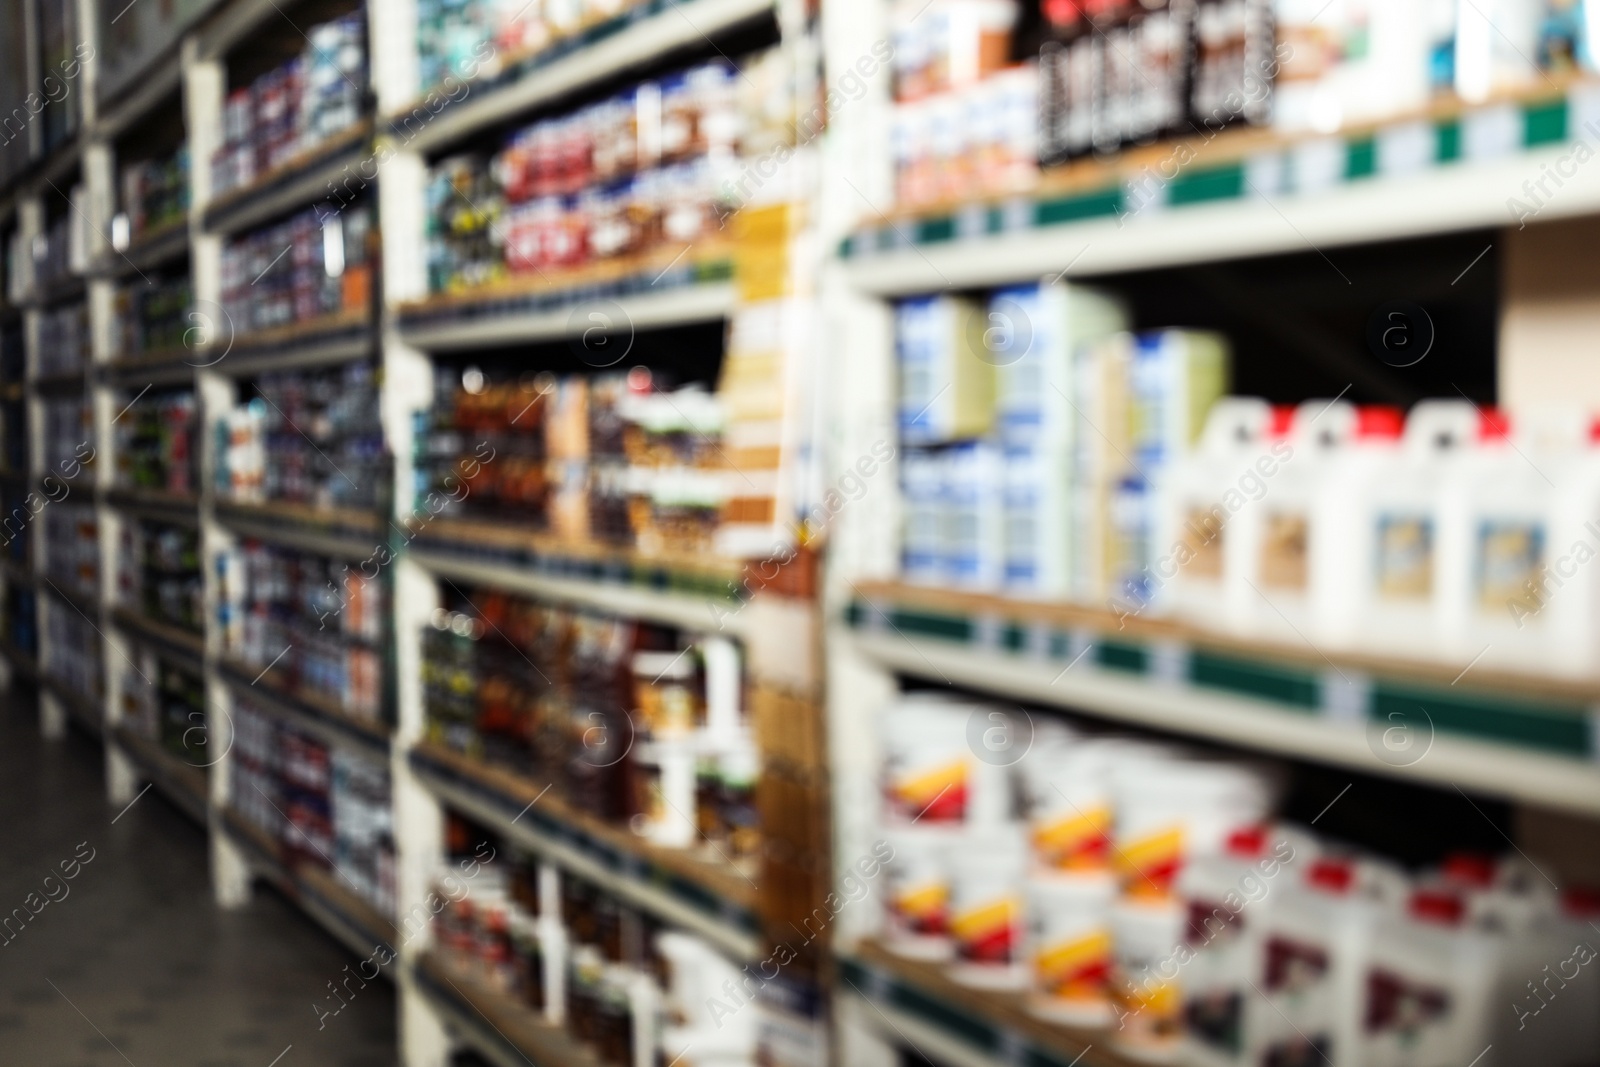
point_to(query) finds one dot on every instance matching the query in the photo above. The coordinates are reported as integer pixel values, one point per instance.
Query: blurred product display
(310, 437)
(320, 626)
(301, 270)
(815, 533)
(292, 109)
(156, 443)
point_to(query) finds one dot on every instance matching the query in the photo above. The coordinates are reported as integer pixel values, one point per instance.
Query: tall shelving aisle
(1027, 650)
(543, 360)
(534, 484)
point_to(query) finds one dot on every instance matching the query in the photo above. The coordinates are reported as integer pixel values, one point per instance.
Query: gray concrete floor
(134, 964)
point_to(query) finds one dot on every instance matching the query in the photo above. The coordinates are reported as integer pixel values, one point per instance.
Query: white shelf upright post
(407, 388)
(204, 89)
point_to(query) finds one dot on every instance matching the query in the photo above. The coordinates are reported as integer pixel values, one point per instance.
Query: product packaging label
(1149, 864)
(1509, 561)
(1284, 551)
(1403, 557)
(1077, 840)
(930, 794)
(987, 931)
(1075, 968)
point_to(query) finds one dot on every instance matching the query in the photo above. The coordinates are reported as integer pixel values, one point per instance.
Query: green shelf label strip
(1539, 124)
(1562, 729)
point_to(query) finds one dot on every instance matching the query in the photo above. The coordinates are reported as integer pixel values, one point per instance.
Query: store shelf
(157, 504)
(161, 78)
(654, 32)
(60, 384)
(81, 709)
(499, 1027)
(1246, 194)
(323, 895)
(184, 646)
(452, 324)
(317, 714)
(56, 292)
(73, 598)
(172, 366)
(324, 342)
(18, 573)
(666, 286)
(1527, 739)
(341, 533)
(297, 183)
(706, 896)
(184, 784)
(696, 595)
(23, 663)
(165, 244)
(916, 1004)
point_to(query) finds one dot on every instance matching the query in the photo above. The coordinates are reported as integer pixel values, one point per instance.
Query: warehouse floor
(129, 961)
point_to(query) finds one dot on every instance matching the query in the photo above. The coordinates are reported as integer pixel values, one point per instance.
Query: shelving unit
(818, 665)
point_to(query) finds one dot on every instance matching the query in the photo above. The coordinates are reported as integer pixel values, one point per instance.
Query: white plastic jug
(1198, 499)
(1390, 602)
(1271, 588)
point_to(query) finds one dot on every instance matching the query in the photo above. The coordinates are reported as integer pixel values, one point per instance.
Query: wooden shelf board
(185, 785)
(519, 1028)
(308, 709)
(517, 805)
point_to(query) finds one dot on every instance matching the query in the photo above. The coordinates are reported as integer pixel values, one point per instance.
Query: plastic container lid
(1282, 420)
(1332, 875)
(1472, 869)
(1493, 425)
(1581, 902)
(1247, 843)
(1379, 421)
(1438, 905)
(656, 666)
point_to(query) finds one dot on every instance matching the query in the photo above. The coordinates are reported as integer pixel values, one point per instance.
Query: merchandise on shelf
(1429, 535)
(631, 991)
(1135, 886)
(978, 141)
(605, 458)
(72, 548)
(61, 250)
(155, 193)
(68, 434)
(327, 807)
(13, 352)
(650, 169)
(155, 443)
(159, 574)
(300, 270)
(64, 339)
(19, 624)
(155, 316)
(1039, 436)
(292, 109)
(317, 623)
(166, 704)
(72, 653)
(307, 437)
(627, 721)
(467, 38)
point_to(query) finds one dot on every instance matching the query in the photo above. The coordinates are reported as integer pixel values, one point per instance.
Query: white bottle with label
(1190, 547)
(1229, 897)
(1319, 938)
(1271, 585)
(1570, 589)
(1390, 603)
(1494, 545)
(1429, 986)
